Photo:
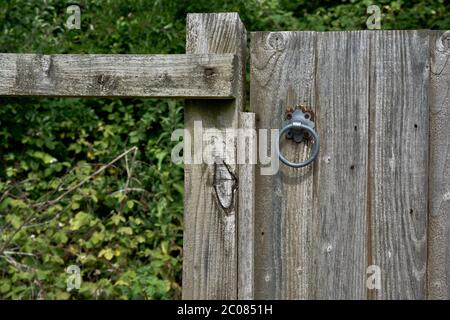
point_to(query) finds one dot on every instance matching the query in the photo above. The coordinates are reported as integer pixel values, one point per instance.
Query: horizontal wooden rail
(200, 76)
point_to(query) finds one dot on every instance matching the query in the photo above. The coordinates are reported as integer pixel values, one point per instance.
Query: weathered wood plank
(175, 76)
(439, 216)
(282, 76)
(364, 202)
(398, 151)
(340, 181)
(247, 152)
(210, 251)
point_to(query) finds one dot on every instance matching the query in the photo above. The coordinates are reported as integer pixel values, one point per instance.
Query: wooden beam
(202, 76)
(211, 206)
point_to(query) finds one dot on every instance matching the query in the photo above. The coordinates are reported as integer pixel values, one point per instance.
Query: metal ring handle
(315, 149)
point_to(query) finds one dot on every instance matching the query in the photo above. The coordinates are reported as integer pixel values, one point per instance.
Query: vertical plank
(399, 161)
(246, 216)
(340, 195)
(209, 262)
(282, 76)
(439, 211)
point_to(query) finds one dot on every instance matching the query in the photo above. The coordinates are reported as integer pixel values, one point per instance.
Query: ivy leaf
(108, 254)
(121, 282)
(60, 237)
(17, 203)
(130, 204)
(125, 230)
(165, 247)
(61, 295)
(45, 157)
(75, 205)
(140, 239)
(117, 218)
(14, 220)
(97, 237)
(80, 219)
(5, 287)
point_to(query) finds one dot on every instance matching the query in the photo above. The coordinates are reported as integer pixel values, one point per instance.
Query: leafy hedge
(89, 182)
(122, 227)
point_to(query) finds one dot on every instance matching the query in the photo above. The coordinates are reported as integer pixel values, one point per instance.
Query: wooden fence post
(210, 207)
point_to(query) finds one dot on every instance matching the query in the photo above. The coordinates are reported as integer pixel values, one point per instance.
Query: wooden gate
(376, 201)
(364, 201)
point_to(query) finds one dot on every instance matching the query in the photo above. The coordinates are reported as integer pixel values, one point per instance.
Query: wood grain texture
(210, 250)
(364, 201)
(398, 152)
(175, 76)
(283, 75)
(439, 211)
(340, 182)
(247, 151)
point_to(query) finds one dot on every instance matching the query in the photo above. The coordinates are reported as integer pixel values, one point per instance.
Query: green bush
(64, 200)
(122, 226)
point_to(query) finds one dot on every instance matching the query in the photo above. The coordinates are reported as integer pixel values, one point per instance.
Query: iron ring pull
(297, 126)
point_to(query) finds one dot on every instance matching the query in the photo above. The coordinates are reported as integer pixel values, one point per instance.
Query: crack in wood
(225, 184)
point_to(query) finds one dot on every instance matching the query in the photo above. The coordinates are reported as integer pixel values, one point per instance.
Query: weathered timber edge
(200, 76)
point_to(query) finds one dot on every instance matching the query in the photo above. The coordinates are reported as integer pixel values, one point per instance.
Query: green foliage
(127, 243)
(122, 226)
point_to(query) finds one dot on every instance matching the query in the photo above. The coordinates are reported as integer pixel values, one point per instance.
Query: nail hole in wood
(209, 72)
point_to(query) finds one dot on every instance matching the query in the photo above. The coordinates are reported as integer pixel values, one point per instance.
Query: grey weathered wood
(311, 225)
(191, 75)
(398, 151)
(283, 75)
(210, 251)
(439, 204)
(364, 201)
(247, 152)
(340, 180)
